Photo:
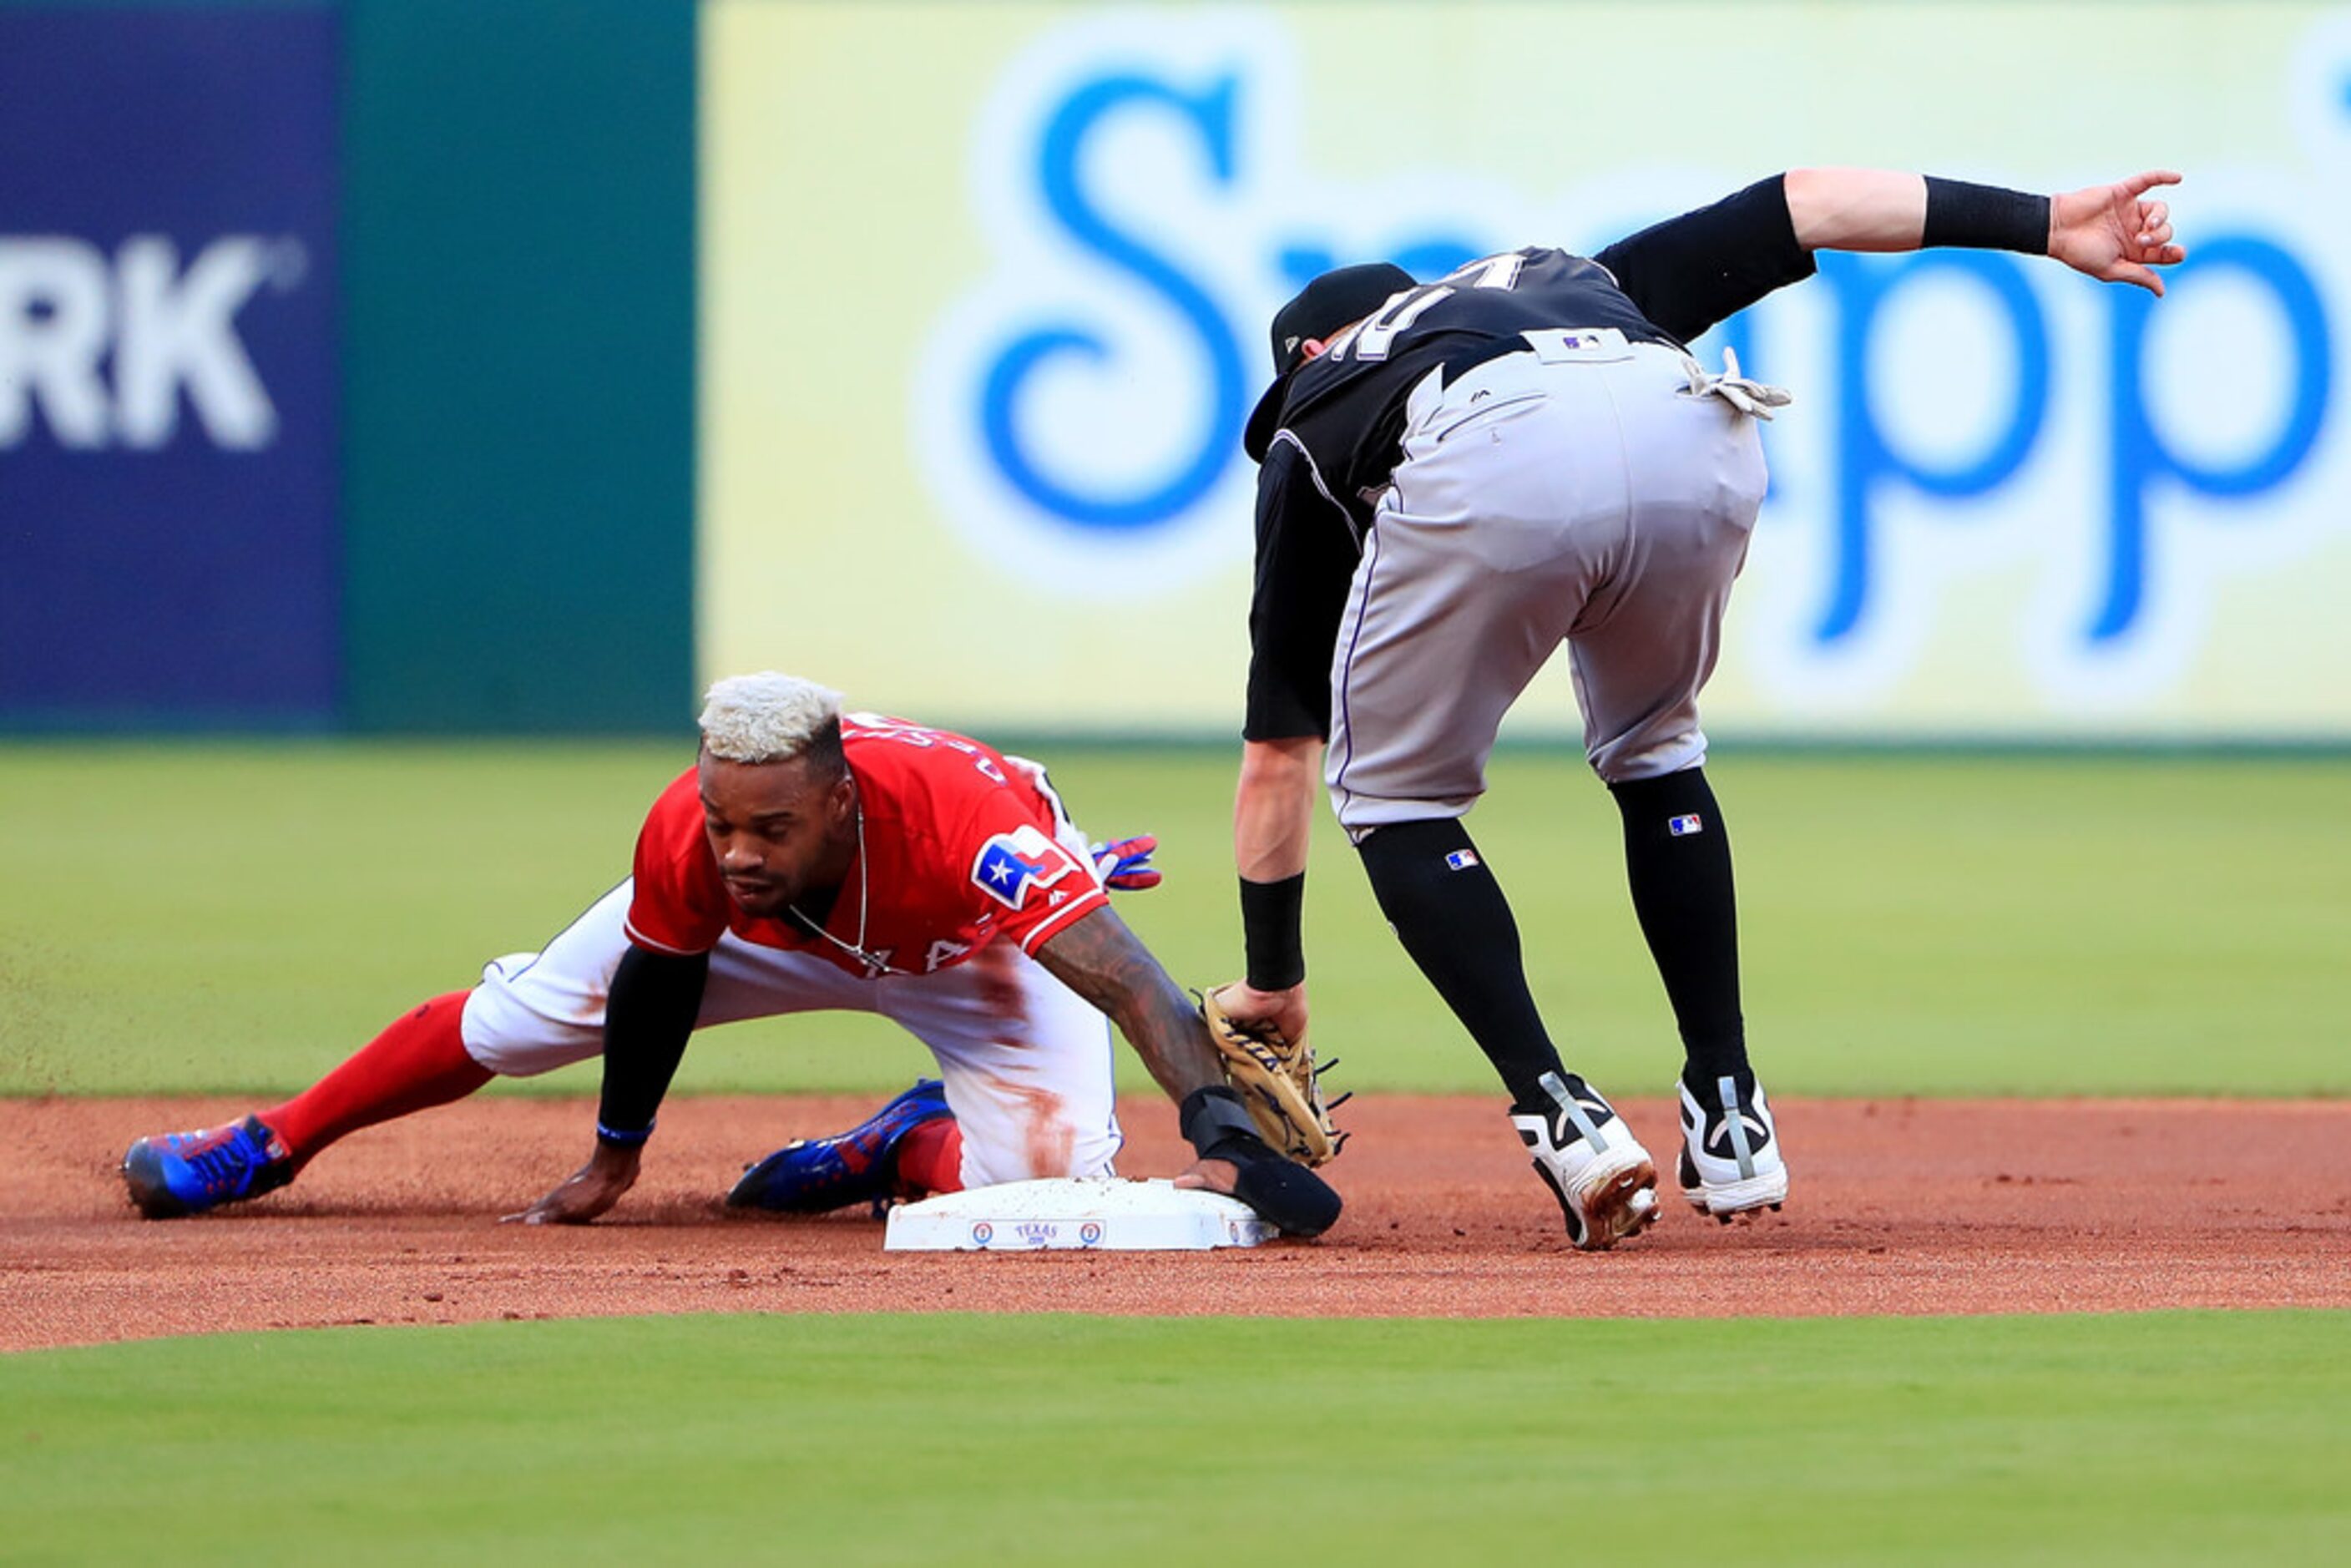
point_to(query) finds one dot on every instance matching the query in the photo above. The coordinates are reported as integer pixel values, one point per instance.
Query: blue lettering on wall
(1301, 264)
(1211, 113)
(1865, 465)
(1865, 460)
(2141, 456)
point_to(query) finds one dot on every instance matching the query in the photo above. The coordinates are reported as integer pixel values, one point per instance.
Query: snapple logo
(1142, 185)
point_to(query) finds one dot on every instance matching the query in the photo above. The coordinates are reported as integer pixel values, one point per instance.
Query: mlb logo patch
(1461, 859)
(1683, 826)
(1010, 867)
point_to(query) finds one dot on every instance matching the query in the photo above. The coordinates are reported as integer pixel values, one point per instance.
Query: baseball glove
(1277, 1081)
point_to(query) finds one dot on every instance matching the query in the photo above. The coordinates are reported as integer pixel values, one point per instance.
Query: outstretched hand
(2114, 233)
(587, 1192)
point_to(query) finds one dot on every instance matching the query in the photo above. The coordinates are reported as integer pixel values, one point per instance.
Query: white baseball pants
(1027, 1062)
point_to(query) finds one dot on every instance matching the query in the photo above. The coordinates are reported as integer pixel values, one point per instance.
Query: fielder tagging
(1456, 477)
(812, 861)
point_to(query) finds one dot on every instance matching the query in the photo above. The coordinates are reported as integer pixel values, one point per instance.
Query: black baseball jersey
(1342, 416)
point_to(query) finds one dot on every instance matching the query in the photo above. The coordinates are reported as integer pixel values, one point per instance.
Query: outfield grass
(235, 918)
(2168, 1437)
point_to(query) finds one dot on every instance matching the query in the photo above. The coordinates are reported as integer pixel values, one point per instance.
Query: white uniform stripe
(1736, 1123)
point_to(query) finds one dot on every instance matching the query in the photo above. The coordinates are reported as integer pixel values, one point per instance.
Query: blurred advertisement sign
(168, 375)
(991, 353)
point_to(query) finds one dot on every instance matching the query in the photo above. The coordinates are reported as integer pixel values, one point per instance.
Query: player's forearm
(1273, 820)
(1857, 209)
(1104, 962)
(1883, 210)
(648, 1018)
(1273, 807)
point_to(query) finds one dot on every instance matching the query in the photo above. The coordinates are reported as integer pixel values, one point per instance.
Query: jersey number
(1372, 338)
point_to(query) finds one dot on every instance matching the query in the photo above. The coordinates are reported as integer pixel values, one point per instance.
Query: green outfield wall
(519, 360)
(518, 365)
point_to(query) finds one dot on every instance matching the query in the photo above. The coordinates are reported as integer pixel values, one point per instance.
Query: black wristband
(1985, 217)
(1271, 914)
(1279, 1189)
(1213, 1118)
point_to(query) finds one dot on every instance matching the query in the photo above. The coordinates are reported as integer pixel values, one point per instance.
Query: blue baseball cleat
(813, 1176)
(177, 1174)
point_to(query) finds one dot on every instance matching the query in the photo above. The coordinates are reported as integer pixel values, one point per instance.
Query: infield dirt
(1902, 1206)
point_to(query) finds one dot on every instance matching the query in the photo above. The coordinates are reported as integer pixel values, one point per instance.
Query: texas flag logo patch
(1010, 867)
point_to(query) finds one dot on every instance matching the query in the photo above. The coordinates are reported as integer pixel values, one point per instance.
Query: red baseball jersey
(960, 848)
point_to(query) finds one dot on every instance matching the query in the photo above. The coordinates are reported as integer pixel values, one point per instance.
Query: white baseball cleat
(1731, 1161)
(1604, 1179)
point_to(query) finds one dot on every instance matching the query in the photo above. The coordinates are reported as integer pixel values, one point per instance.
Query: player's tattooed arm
(1100, 958)
(1104, 962)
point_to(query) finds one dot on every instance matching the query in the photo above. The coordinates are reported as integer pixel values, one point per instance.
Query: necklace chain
(875, 964)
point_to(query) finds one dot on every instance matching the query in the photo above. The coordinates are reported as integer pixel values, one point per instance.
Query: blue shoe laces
(224, 1167)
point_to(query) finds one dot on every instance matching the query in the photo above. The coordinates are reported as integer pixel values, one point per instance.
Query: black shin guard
(1678, 859)
(1452, 918)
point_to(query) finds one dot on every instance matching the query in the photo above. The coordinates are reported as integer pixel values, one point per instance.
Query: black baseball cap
(1317, 310)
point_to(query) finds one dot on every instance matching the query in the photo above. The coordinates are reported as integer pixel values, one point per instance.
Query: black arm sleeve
(1305, 557)
(1689, 273)
(655, 997)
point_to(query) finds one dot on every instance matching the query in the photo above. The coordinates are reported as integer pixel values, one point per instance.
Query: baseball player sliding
(1455, 478)
(809, 861)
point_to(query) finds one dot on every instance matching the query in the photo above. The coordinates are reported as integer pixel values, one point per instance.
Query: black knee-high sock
(1677, 858)
(1454, 921)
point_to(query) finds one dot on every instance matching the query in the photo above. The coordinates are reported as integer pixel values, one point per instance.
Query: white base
(1101, 1214)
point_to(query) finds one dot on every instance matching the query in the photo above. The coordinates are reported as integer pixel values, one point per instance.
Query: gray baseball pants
(1586, 490)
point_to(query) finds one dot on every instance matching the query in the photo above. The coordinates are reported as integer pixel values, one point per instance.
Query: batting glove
(1125, 864)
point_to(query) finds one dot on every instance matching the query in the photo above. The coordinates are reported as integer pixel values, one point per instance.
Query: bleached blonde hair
(770, 718)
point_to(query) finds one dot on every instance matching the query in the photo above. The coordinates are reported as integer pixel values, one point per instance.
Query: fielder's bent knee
(1632, 758)
(1363, 815)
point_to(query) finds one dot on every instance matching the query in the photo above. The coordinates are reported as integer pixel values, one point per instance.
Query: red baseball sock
(418, 1062)
(930, 1159)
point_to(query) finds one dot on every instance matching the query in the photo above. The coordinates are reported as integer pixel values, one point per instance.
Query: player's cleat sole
(1728, 1200)
(1612, 1204)
(817, 1175)
(175, 1175)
